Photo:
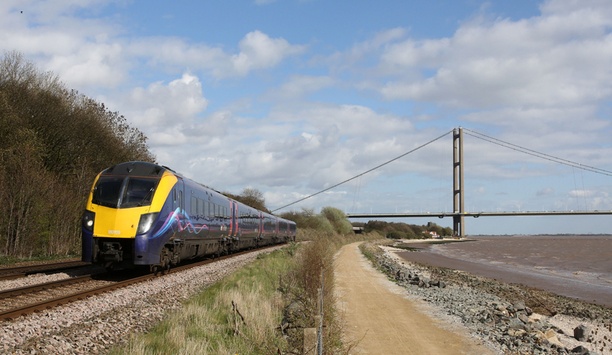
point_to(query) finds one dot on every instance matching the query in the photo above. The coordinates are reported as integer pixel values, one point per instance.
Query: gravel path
(380, 319)
(94, 325)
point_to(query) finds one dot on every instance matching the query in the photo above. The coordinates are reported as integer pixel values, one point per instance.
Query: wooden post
(310, 341)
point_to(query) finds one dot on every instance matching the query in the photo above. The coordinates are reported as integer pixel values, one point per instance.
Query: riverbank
(515, 319)
(572, 266)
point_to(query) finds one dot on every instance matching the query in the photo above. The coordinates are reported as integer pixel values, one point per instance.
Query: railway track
(24, 300)
(30, 299)
(23, 271)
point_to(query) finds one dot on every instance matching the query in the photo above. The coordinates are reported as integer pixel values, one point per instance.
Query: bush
(328, 222)
(396, 235)
(396, 230)
(338, 220)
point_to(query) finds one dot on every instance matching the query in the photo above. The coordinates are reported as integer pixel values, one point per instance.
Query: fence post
(320, 331)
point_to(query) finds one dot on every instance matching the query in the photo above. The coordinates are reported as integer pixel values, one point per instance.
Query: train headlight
(146, 222)
(88, 220)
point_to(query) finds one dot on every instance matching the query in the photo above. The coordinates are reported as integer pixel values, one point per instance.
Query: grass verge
(262, 308)
(238, 315)
(10, 261)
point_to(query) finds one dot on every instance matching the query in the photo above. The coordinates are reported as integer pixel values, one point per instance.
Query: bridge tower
(458, 198)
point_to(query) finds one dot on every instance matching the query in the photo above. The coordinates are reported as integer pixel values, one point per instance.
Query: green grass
(10, 260)
(210, 323)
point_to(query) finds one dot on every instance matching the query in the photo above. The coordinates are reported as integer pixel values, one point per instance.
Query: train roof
(136, 168)
(141, 168)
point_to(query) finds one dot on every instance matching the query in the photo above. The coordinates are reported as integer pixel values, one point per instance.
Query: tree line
(53, 142)
(400, 230)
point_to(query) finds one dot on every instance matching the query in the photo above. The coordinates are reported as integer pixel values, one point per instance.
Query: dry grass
(261, 309)
(239, 315)
(314, 278)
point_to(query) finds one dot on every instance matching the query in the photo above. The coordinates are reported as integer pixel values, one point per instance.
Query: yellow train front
(141, 213)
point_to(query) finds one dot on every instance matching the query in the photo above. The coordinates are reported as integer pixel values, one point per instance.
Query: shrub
(396, 235)
(338, 220)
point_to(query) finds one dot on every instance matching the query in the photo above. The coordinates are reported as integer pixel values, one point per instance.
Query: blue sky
(291, 97)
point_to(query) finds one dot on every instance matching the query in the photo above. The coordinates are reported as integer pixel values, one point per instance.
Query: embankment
(514, 318)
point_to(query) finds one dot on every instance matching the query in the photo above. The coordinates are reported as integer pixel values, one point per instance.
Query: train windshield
(124, 191)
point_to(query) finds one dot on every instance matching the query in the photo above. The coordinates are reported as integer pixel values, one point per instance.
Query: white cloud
(92, 65)
(90, 51)
(597, 8)
(315, 147)
(258, 51)
(413, 53)
(165, 53)
(83, 52)
(380, 40)
(160, 107)
(301, 85)
(582, 193)
(557, 59)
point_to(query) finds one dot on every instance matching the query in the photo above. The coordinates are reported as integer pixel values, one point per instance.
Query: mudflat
(573, 266)
(379, 318)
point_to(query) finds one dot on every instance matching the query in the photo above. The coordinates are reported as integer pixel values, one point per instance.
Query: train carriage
(141, 213)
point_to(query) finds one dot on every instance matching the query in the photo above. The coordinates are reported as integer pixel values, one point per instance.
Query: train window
(124, 192)
(193, 209)
(107, 191)
(139, 192)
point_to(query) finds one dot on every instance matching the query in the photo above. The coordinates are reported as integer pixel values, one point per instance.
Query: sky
(291, 97)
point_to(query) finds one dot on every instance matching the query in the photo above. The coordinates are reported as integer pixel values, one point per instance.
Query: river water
(574, 266)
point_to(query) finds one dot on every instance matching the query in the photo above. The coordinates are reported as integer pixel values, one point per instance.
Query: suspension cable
(536, 153)
(365, 172)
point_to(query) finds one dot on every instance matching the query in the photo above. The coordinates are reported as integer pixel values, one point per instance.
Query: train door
(262, 222)
(178, 196)
(233, 218)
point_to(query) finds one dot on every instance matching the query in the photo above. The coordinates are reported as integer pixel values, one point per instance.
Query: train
(145, 214)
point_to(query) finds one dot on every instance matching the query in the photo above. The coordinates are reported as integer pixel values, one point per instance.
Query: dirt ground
(380, 319)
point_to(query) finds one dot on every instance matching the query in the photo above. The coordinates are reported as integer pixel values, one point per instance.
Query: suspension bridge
(459, 212)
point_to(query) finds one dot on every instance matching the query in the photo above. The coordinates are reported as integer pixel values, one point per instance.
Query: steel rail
(44, 286)
(58, 301)
(11, 273)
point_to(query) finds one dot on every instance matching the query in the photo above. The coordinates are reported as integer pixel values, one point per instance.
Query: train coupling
(111, 252)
